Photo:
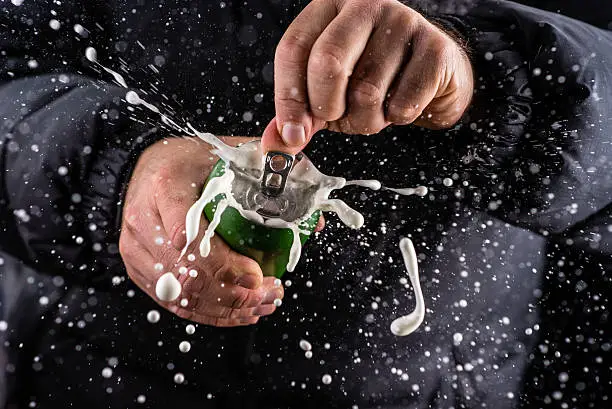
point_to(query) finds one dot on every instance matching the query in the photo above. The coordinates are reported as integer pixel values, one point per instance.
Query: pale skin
(353, 66)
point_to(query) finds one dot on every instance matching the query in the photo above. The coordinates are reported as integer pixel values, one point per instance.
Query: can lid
(276, 190)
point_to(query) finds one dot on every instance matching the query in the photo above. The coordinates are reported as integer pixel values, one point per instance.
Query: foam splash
(168, 287)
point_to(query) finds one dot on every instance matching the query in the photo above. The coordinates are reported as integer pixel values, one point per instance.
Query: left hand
(357, 66)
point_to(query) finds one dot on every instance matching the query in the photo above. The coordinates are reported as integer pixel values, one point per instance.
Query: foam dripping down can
(272, 193)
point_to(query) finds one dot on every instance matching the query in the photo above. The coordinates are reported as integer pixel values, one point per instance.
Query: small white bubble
(158, 267)
(278, 302)
(182, 270)
(153, 316)
(190, 329)
(107, 372)
(448, 182)
(54, 24)
(179, 378)
(488, 56)
(184, 302)
(308, 283)
(277, 282)
(184, 347)
(326, 379)
(193, 273)
(141, 399)
(190, 257)
(308, 354)
(305, 345)
(462, 303)
(457, 338)
(62, 170)
(43, 300)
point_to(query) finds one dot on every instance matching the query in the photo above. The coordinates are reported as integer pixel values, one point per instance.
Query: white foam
(370, 183)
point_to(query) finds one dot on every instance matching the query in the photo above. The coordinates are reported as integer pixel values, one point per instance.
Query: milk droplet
(448, 182)
(407, 324)
(179, 378)
(278, 302)
(190, 329)
(54, 24)
(132, 98)
(305, 345)
(326, 379)
(91, 54)
(184, 346)
(141, 399)
(168, 288)
(457, 338)
(107, 372)
(153, 316)
(308, 354)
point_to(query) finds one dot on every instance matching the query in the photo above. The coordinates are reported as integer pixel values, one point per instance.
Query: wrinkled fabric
(515, 257)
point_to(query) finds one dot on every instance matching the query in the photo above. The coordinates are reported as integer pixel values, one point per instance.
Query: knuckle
(294, 47)
(131, 217)
(326, 62)
(401, 112)
(366, 94)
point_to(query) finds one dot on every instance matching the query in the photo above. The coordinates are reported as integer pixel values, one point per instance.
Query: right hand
(230, 289)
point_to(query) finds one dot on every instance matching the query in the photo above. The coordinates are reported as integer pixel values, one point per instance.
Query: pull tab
(276, 171)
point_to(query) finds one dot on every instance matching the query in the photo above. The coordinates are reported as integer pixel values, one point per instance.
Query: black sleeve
(67, 141)
(536, 146)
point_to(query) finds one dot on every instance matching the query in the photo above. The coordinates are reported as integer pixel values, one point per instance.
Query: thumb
(289, 137)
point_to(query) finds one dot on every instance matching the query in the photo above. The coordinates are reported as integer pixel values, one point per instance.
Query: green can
(270, 247)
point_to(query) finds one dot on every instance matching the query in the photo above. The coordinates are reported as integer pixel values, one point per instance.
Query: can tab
(277, 167)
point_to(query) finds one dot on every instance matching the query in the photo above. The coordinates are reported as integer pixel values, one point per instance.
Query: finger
(445, 110)
(173, 199)
(216, 321)
(294, 122)
(420, 80)
(230, 295)
(320, 224)
(373, 76)
(333, 58)
(271, 139)
(216, 311)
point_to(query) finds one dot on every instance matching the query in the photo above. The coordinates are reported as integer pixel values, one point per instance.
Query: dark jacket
(515, 256)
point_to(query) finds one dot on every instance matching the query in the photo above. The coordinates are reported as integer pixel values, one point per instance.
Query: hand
(357, 66)
(229, 289)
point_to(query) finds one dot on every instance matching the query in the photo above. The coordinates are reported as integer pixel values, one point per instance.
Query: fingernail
(270, 296)
(293, 134)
